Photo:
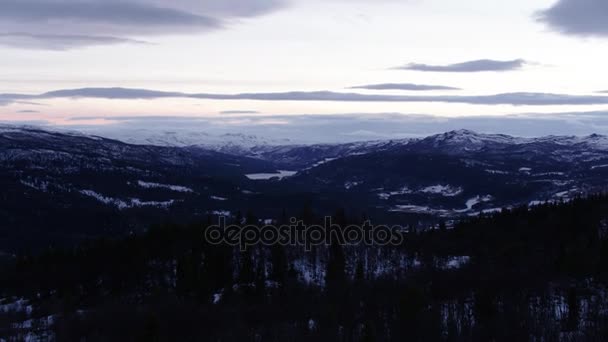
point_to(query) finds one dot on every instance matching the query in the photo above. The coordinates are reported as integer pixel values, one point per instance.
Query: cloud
(51, 24)
(516, 99)
(239, 112)
(29, 103)
(27, 111)
(403, 86)
(577, 17)
(59, 42)
(110, 93)
(470, 66)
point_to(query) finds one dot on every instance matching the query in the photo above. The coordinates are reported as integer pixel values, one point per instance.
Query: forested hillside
(537, 274)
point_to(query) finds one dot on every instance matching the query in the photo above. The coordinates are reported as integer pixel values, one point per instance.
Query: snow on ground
(350, 185)
(121, 204)
(31, 329)
(536, 203)
(403, 191)
(476, 200)
(559, 197)
(562, 194)
(416, 209)
(599, 167)
(217, 297)
(265, 176)
(497, 172)
(487, 211)
(444, 190)
(105, 200)
(217, 198)
(310, 274)
(457, 262)
(553, 181)
(220, 212)
(150, 185)
(491, 210)
(38, 185)
(135, 202)
(15, 305)
(554, 173)
(324, 161)
(525, 169)
(312, 325)
(44, 322)
(384, 196)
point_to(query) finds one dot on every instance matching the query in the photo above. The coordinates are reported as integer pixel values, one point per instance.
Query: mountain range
(65, 186)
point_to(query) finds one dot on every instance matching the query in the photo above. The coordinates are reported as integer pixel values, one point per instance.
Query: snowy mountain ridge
(462, 140)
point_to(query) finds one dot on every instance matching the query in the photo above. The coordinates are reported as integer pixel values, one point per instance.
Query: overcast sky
(209, 59)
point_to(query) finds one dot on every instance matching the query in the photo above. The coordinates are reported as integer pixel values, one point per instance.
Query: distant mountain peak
(464, 140)
(461, 131)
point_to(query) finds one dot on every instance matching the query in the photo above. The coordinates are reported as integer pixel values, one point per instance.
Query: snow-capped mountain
(239, 142)
(280, 151)
(298, 156)
(463, 141)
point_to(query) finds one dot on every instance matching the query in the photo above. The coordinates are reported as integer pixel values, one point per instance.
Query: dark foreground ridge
(523, 274)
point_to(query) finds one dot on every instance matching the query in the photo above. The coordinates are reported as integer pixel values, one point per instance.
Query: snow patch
(444, 190)
(121, 204)
(554, 173)
(217, 297)
(403, 191)
(135, 202)
(350, 185)
(309, 273)
(150, 185)
(457, 262)
(266, 176)
(497, 172)
(312, 325)
(37, 185)
(105, 200)
(416, 209)
(536, 203)
(15, 305)
(220, 212)
(324, 161)
(472, 202)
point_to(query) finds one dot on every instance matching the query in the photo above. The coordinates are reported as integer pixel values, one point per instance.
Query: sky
(362, 68)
